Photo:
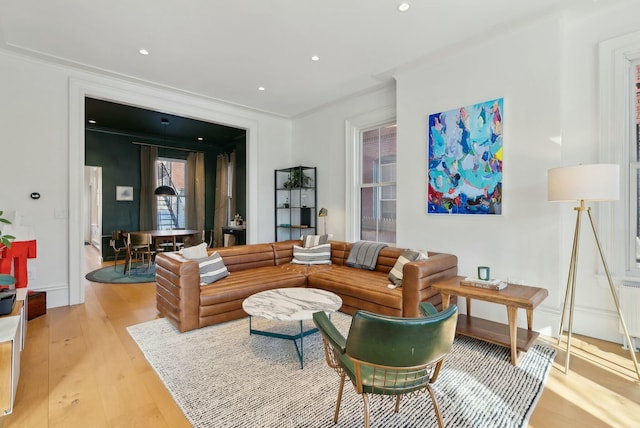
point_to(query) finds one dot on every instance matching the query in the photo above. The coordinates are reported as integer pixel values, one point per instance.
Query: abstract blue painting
(465, 160)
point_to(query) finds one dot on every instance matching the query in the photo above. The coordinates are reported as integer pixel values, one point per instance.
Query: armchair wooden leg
(365, 400)
(397, 409)
(435, 406)
(335, 415)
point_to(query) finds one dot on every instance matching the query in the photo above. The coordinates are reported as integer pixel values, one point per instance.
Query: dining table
(162, 235)
(165, 234)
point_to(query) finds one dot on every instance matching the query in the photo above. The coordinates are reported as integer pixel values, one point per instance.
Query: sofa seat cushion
(244, 283)
(353, 284)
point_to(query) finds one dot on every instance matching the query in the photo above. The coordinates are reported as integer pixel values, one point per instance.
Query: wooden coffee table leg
(530, 319)
(512, 314)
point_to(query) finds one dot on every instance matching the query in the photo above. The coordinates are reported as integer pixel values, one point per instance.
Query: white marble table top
(291, 304)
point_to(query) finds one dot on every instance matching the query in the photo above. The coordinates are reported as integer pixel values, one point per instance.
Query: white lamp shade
(593, 182)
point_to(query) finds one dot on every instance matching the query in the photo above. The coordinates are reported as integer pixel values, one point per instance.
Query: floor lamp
(324, 213)
(584, 183)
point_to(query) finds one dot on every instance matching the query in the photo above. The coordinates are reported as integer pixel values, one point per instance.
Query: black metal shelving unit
(295, 202)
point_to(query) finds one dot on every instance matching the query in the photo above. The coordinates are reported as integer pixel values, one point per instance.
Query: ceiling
(147, 124)
(225, 50)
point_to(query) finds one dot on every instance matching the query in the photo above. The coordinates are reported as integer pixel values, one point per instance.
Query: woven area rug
(220, 376)
(140, 272)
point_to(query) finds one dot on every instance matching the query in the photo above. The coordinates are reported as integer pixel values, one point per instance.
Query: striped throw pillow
(309, 241)
(395, 275)
(212, 268)
(318, 255)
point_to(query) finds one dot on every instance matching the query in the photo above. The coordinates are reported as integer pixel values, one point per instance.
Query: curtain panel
(148, 181)
(194, 199)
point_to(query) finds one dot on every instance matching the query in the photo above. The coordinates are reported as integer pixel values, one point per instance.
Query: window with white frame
(619, 59)
(171, 209)
(634, 166)
(377, 186)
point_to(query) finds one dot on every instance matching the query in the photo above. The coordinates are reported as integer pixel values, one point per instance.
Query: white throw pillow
(195, 252)
(318, 255)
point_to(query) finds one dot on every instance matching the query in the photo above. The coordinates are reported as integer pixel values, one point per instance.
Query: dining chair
(140, 248)
(391, 356)
(118, 242)
(208, 237)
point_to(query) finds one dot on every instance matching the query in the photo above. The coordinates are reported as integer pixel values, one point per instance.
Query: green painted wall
(120, 163)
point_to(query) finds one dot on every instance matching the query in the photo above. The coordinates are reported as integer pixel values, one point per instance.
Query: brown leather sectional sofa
(258, 267)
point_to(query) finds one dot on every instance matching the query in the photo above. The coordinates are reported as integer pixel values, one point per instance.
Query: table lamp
(585, 183)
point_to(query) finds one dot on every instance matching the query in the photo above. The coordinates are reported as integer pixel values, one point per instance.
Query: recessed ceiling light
(200, 138)
(143, 52)
(92, 121)
(261, 88)
(403, 7)
(315, 58)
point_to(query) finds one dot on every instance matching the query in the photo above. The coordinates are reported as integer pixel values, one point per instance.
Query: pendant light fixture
(164, 190)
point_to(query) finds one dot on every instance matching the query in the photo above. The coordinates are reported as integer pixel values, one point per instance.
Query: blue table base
(293, 337)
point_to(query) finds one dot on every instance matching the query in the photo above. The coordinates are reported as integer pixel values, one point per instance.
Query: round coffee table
(290, 304)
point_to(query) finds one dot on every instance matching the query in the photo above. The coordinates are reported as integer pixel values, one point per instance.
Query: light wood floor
(80, 368)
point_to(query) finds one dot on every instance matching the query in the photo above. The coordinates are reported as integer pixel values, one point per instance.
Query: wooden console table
(513, 297)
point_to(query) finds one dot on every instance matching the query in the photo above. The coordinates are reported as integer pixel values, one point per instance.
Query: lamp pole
(594, 182)
(571, 289)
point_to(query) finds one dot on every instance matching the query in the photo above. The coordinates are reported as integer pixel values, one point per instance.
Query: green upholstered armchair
(388, 355)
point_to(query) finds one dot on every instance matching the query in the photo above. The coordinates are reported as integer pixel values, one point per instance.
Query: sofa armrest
(178, 290)
(418, 276)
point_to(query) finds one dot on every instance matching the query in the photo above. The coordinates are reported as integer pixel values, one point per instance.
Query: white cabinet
(13, 329)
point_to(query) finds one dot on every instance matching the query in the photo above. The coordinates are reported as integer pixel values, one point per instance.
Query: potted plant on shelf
(5, 241)
(297, 178)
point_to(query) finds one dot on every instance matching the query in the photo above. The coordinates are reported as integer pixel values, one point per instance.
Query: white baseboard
(57, 295)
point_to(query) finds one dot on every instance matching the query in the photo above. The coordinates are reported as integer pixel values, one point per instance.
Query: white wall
(319, 140)
(546, 72)
(39, 114)
(585, 140)
(523, 68)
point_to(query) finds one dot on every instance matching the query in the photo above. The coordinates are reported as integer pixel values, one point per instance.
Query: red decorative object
(19, 252)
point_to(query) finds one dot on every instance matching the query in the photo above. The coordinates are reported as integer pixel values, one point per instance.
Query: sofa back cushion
(283, 251)
(279, 253)
(241, 257)
(339, 252)
(387, 258)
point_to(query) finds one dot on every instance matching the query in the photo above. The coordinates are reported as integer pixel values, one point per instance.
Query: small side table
(513, 297)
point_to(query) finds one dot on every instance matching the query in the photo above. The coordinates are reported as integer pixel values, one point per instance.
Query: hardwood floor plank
(74, 397)
(170, 411)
